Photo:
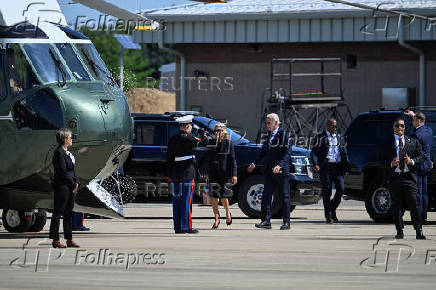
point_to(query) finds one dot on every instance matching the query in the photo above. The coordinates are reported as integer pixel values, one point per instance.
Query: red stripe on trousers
(190, 203)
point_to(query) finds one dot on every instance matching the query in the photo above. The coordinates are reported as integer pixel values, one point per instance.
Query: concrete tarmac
(142, 251)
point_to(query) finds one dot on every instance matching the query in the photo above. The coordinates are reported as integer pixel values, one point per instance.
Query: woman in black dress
(221, 170)
(65, 185)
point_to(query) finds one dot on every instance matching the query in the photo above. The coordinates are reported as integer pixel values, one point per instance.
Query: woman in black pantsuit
(221, 170)
(65, 185)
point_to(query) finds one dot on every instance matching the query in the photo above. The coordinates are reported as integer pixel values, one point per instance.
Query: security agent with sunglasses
(182, 172)
(401, 157)
(329, 158)
(275, 155)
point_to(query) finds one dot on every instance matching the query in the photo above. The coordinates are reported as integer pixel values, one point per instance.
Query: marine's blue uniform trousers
(182, 204)
(78, 218)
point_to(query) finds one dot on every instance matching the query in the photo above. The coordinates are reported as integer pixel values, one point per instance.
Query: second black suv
(364, 138)
(147, 162)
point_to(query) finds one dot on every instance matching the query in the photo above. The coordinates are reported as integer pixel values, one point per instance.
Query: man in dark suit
(424, 135)
(329, 158)
(275, 154)
(401, 156)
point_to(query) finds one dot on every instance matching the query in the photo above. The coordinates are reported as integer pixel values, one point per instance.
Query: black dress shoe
(420, 235)
(329, 218)
(334, 218)
(285, 226)
(400, 235)
(192, 231)
(180, 232)
(263, 225)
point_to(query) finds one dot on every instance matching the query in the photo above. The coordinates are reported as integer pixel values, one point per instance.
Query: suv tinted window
(151, 133)
(173, 129)
(369, 131)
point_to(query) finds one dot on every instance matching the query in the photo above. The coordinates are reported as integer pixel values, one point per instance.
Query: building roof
(289, 21)
(244, 7)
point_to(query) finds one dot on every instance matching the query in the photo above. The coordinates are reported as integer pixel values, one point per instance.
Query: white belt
(184, 158)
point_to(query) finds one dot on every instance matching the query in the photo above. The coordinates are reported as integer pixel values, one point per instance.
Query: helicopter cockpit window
(21, 76)
(39, 111)
(94, 62)
(44, 63)
(73, 62)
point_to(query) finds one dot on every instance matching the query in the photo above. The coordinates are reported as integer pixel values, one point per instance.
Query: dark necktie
(402, 154)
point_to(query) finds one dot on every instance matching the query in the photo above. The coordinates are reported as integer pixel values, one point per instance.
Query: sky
(72, 11)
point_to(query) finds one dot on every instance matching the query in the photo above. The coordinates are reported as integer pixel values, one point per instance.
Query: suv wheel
(379, 203)
(250, 197)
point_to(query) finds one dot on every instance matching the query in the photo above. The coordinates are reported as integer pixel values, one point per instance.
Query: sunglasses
(399, 125)
(218, 130)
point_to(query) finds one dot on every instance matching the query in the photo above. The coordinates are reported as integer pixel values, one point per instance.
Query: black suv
(364, 138)
(147, 162)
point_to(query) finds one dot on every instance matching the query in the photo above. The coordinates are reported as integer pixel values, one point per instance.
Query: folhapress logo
(387, 254)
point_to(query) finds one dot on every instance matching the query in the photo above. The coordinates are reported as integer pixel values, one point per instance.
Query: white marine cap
(185, 119)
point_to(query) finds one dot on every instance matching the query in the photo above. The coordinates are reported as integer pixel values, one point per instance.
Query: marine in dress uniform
(182, 173)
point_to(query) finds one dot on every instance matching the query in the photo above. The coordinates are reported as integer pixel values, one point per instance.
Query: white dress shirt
(71, 156)
(333, 154)
(272, 135)
(397, 148)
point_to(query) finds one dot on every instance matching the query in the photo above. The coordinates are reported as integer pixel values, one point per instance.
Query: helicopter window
(22, 30)
(73, 34)
(2, 80)
(39, 111)
(73, 62)
(44, 64)
(94, 62)
(21, 76)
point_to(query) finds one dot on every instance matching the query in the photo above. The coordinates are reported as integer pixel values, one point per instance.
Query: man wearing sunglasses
(402, 156)
(275, 156)
(329, 158)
